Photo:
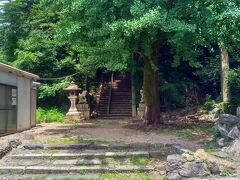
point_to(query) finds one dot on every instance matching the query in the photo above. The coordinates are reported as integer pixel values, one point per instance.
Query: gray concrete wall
(8, 79)
(24, 109)
(24, 86)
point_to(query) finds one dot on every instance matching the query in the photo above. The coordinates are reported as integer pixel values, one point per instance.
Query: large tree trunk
(150, 87)
(224, 74)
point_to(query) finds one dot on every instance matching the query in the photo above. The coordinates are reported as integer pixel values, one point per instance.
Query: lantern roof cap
(73, 87)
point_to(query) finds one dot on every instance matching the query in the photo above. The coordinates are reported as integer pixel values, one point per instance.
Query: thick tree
(107, 33)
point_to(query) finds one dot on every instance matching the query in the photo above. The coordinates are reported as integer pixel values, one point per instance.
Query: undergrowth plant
(225, 107)
(50, 115)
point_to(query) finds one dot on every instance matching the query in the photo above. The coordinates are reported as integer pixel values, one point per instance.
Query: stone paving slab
(25, 162)
(80, 155)
(72, 176)
(78, 162)
(48, 176)
(65, 170)
(67, 146)
(13, 169)
(33, 146)
(46, 170)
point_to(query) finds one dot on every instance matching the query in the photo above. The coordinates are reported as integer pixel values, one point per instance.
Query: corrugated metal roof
(17, 72)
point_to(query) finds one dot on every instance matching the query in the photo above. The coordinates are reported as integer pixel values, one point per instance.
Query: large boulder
(233, 149)
(189, 165)
(234, 133)
(194, 169)
(14, 143)
(173, 162)
(229, 127)
(201, 155)
(229, 119)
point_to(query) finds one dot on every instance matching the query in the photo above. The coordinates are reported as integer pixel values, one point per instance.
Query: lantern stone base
(84, 109)
(140, 110)
(76, 116)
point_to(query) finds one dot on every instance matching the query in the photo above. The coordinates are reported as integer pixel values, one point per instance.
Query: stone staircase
(116, 95)
(77, 160)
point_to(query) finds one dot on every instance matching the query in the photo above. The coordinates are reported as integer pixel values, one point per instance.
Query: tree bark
(224, 74)
(151, 88)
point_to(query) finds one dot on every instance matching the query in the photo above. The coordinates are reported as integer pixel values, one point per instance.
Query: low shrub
(49, 115)
(226, 107)
(209, 103)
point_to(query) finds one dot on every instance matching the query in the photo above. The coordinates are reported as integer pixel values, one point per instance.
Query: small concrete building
(17, 99)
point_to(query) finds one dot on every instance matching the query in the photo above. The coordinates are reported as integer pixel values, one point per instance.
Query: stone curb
(78, 162)
(65, 170)
(93, 146)
(177, 149)
(81, 155)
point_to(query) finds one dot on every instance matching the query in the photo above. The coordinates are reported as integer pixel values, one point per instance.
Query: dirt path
(102, 130)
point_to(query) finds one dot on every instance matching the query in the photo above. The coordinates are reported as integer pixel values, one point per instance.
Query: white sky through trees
(2, 2)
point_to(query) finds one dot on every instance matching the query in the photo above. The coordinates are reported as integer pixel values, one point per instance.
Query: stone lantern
(73, 113)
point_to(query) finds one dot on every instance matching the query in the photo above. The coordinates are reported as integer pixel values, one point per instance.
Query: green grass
(70, 140)
(227, 172)
(50, 115)
(139, 161)
(54, 151)
(128, 176)
(116, 176)
(210, 146)
(191, 133)
(74, 179)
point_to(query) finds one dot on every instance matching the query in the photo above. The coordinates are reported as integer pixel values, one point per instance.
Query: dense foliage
(171, 47)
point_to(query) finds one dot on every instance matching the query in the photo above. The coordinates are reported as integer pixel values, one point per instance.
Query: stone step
(122, 89)
(122, 106)
(69, 169)
(68, 176)
(114, 116)
(116, 110)
(121, 103)
(117, 103)
(119, 92)
(120, 113)
(100, 146)
(78, 162)
(81, 155)
(103, 98)
(121, 99)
